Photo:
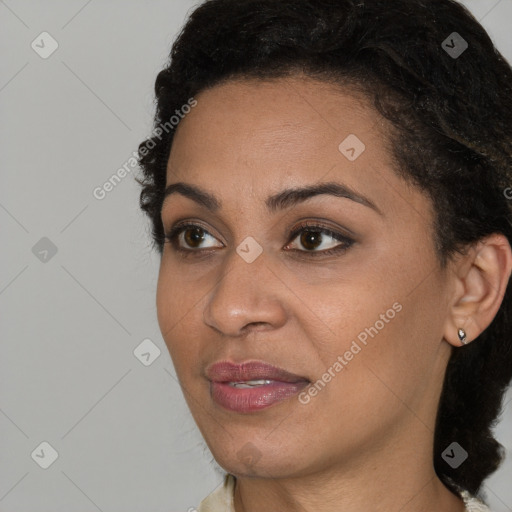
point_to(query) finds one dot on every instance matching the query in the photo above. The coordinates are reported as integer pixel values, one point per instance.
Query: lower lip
(256, 398)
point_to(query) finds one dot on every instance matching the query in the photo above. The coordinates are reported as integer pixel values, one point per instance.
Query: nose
(248, 297)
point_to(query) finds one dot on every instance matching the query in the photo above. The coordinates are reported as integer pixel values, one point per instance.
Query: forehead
(296, 110)
(281, 127)
(249, 139)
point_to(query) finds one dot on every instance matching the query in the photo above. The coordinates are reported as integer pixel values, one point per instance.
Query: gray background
(70, 322)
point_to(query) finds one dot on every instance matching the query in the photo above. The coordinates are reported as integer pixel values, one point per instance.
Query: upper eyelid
(179, 227)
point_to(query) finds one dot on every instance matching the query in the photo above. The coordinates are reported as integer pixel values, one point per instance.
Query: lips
(251, 386)
(226, 371)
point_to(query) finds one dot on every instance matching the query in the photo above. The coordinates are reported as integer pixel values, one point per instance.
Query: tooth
(249, 383)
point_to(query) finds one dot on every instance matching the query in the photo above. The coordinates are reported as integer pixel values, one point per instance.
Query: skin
(365, 441)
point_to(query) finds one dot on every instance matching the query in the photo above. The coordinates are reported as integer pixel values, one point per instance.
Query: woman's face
(359, 315)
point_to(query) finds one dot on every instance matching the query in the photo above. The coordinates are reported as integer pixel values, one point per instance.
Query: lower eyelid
(343, 245)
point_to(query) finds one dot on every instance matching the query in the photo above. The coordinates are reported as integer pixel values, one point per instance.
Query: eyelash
(173, 234)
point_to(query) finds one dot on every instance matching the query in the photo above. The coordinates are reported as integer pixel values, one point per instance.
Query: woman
(327, 184)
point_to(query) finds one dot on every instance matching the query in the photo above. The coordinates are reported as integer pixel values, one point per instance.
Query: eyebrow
(284, 199)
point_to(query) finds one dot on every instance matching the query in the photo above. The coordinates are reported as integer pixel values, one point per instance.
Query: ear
(481, 279)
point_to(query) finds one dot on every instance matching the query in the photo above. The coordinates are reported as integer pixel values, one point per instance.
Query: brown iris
(309, 237)
(197, 236)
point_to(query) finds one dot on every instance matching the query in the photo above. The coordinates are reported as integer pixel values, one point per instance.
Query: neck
(399, 478)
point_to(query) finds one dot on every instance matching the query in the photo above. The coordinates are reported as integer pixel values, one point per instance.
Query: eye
(192, 234)
(312, 236)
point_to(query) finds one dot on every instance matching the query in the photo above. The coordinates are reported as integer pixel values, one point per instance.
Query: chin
(245, 458)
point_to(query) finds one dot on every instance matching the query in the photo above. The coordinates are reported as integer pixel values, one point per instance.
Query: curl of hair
(451, 136)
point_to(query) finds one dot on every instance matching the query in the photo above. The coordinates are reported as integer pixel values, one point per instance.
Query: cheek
(177, 311)
(366, 377)
(385, 326)
(389, 355)
(166, 304)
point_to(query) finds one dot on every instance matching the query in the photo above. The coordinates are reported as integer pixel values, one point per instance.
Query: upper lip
(226, 371)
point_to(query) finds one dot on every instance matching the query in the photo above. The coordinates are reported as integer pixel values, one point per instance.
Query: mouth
(252, 385)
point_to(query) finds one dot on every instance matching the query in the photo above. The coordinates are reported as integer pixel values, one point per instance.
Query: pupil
(306, 239)
(195, 238)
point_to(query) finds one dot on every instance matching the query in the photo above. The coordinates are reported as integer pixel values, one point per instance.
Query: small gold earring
(462, 336)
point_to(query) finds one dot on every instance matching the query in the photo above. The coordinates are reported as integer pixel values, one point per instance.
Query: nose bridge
(245, 294)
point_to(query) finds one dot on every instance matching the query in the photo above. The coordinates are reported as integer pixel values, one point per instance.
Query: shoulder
(473, 504)
(221, 499)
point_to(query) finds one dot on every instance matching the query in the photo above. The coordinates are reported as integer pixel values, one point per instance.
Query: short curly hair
(452, 137)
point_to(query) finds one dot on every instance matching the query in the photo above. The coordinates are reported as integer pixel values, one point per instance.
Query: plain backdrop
(78, 277)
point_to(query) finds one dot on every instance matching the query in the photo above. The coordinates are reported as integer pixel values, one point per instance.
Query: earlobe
(481, 276)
